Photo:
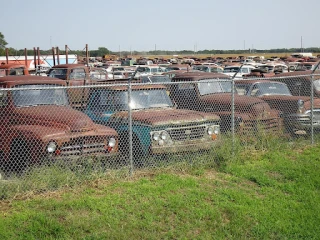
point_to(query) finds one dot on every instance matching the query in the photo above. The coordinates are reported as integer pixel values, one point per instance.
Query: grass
(267, 190)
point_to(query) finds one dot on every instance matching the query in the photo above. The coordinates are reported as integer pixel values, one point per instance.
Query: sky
(146, 25)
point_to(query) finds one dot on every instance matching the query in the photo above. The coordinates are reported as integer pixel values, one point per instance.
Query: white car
(231, 70)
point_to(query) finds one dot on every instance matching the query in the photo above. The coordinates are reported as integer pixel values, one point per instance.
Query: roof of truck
(11, 65)
(133, 87)
(195, 76)
(70, 65)
(11, 81)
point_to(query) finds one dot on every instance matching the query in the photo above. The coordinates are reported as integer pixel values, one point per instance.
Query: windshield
(34, 97)
(16, 71)
(201, 68)
(270, 89)
(142, 99)
(231, 69)
(210, 87)
(266, 68)
(155, 79)
(58, 73)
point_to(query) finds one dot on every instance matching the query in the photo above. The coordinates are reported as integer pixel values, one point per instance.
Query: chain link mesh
(86, 126)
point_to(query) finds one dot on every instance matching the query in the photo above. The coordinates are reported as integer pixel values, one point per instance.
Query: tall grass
(68, 175)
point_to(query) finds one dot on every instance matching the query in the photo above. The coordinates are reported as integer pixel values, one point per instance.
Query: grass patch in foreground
(271, 195)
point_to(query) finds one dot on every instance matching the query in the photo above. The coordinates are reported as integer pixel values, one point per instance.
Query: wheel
(137, 152)
(19, 156)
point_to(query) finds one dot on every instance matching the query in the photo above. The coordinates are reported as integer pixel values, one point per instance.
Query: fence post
(87, 55)
(7, 55)
(232, 110)
(58, 55)
(35, 58)
(26, 58)
(312, 101)
(130, 123)
(312, 96)
(38, 53)
(66, 48)
(54, 56)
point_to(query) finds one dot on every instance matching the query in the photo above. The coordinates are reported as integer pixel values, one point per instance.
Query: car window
(244, 70)
(3, 98)
(77, 74)
(242, 89)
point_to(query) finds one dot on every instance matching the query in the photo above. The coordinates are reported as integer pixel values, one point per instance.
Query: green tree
(3, 42)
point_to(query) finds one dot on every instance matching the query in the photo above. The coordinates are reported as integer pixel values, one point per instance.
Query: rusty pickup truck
(157, 126)
(296, 110)
(38, 125)
(212, 92)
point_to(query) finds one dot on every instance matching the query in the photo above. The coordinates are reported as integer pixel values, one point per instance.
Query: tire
(3, 172)
(137, 151)
(19, 156)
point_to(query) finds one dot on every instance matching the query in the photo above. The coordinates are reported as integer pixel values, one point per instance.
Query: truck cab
(13, 69)
(38, 125)
(74, 75)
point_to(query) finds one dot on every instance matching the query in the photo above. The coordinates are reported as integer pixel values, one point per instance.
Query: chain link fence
(53, 131)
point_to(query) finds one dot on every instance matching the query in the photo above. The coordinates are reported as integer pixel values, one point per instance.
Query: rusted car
(13, 69)
(37, 124)
(296, 110)
(157, 126)
(258, 73)
(299, 82)
(210, 92)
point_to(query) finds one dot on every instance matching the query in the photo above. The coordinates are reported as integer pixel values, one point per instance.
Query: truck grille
(189, 132)
(271, 124)
(83, 146)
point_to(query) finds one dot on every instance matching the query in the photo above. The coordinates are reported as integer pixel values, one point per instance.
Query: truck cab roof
(12, 81)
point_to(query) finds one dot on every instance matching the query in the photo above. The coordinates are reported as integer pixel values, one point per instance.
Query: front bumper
(302, 121)
(185, 146)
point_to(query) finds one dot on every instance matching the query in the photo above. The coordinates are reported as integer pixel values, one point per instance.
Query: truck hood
(168, 116)
(222, 102)
(54, 116)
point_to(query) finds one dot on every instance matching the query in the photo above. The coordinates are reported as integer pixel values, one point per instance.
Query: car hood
(167, 116)
(54, 116)
(222, 102)
(289, 104)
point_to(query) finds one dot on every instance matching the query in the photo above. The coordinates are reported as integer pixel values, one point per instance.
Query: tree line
(101, 51)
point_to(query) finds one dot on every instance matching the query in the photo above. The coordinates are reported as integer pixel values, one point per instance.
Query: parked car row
(44, 121)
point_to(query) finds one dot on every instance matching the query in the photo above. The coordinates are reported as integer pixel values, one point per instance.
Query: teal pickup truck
(157, 126)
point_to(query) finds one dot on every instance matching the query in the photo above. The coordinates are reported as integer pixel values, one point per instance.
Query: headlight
(51, 147)
(156, 136)
(216, 130)
(112, 142)
(164, 136)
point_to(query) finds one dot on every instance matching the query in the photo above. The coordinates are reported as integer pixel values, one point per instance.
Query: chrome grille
(271, 124)
(184, 133)
(83, 146)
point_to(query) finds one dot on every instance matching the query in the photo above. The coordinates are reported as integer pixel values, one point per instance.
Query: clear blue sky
(144, 25)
